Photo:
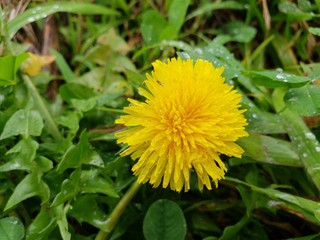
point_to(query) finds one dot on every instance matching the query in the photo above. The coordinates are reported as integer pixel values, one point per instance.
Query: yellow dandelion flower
(190, 117)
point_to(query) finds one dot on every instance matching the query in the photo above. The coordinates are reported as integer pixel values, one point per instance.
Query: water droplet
(31, 19)
(317, 148)
(304, 155)
(185, 55)
(14, 221)
(254, 115)
(310, 135)
(198, 50)
(231, 82)
(280, 76)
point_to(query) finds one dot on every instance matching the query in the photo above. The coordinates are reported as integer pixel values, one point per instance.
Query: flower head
(190, 117)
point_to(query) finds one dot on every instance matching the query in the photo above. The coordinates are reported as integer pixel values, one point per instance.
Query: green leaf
(43, 164)
(261, 121)
(305, 143)
(84, 105)
(22, 156)
(307, 208)
(9, 67)
(314, 31)
(23, 122)
(69, 91)
(240, 31)
(63, 66)
(270, 150)
(153, 23)
(11, 229)
(310, 237)
(293, 12)
(274, 79)
(305, 100)
(42, 225)
(177, 13)
(62, 222)
(209, 7)
(86, 209)
(91, 182)
(164, 221)
(42, 11)
(32, 185)
(79, 154)
(69, 189)
(231, 232)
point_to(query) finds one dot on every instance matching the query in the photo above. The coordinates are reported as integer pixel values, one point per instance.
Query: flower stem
(106, 109)
(118, 211)
(52, 127)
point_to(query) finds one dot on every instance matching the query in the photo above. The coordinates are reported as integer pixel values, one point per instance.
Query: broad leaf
(23, 122)
(164, 221)
(11, 229)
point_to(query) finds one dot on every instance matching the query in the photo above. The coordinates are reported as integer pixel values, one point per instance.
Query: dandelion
(189, 118)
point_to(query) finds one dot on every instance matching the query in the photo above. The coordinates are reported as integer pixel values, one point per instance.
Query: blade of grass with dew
(42, 11)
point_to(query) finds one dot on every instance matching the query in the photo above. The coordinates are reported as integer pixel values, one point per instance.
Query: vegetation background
(60, 173)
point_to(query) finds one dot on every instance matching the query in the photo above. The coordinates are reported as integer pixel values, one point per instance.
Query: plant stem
(51, 126)
(106, 109)
(118, 211)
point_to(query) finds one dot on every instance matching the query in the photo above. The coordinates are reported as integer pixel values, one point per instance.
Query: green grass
(60, 172)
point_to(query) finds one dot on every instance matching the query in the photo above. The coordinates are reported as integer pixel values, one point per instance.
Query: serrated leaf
(79, 154)
(69, 188)
(91, 182)
(86, 209)
(11, 228)
(164, 221)
(62, 222)
(305, 100)
(42, 225)
(32, 185)
(22, 156)
(23, 122)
